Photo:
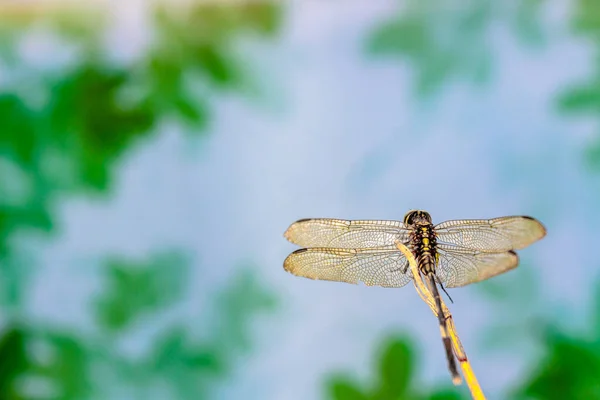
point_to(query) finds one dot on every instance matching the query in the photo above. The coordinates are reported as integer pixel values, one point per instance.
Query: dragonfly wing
(459, 266)
(344, 234)
(382, 266)
(491, 235)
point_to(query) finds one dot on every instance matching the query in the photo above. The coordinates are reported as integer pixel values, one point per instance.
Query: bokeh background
(153, 153)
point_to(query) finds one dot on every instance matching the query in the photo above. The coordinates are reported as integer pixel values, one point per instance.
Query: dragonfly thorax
(423, 246)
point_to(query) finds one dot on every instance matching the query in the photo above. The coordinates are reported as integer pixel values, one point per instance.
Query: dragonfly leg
(444, 289)
(405, 269)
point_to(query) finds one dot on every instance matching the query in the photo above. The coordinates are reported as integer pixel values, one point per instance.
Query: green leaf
(13, 362)
(583, 98)
(174, 350)
(446, 394)
(244, 298)
(395, 380)
(408, 36)
(569, 371)
(87, 119)
(215, 64)
(17, 134)
(587, 18)
(138, 288)
(193, 111)
(341, 388)
(395, 369)
(67, 367)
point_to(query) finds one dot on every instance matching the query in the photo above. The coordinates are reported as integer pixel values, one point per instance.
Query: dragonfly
(450, 254)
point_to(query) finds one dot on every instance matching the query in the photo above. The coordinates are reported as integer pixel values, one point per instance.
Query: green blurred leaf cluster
(64, 368)
(444, 40)
(570, 366)
(395, 378)
(13, 362)
(134, 289)
(451, 41)
(569, 370)
(186, 365)
(584, 97)
(62, 134)
(67, 141)
(201, 40)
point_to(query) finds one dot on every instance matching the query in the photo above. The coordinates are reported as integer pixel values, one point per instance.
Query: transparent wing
(459, 266)
(491, 235)
(344, 234)
(375, 267)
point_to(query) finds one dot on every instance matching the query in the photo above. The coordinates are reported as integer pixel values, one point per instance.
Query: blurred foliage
(13, 362)
(66, 369)
(66, 122)
(183, 365)
(64, 372)
(200, 39)
(447, 41)
(63, 129)
(189, 367)
(570, 367)
(584, 97)
(395, 379)
(158, 283)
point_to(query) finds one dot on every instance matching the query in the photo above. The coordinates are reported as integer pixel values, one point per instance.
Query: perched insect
(450, 254)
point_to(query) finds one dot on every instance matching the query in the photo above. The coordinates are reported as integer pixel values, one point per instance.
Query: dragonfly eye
(409, 218)
(426, 216)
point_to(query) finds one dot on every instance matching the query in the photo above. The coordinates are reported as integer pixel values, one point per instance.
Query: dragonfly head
(417, 218)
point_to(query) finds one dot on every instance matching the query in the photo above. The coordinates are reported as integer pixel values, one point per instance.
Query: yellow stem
(459, 351)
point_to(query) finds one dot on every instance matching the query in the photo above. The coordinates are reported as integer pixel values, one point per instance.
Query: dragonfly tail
(443, 328)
